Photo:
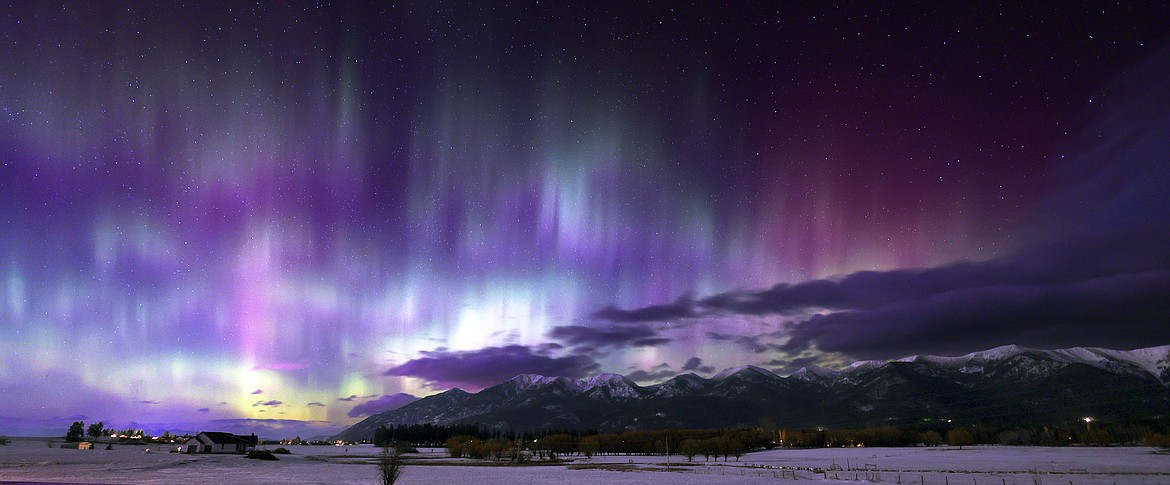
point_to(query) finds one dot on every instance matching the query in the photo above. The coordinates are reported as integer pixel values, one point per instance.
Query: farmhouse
(217, 442)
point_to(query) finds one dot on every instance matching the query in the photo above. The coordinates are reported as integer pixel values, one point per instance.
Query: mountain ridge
(1007, 383)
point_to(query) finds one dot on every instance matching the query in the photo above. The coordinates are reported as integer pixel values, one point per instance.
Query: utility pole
(667, 450)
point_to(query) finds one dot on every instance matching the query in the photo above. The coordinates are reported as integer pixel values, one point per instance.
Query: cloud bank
(477, 369)
(385, 403)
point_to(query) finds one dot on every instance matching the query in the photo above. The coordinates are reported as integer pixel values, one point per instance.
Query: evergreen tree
(95, 429)
(76, 431)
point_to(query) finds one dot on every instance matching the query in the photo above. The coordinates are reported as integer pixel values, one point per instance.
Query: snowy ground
(31, 460)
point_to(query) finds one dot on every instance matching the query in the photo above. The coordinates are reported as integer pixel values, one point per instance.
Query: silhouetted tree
(960, 438)
(930, 438)
(690, 448)
(76, 431)
(95, 429)
(590, 445)
(736, 448)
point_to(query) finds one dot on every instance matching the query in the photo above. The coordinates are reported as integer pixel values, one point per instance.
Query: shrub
(461, 446)
(1158, 440)
(262, 455)
(282, 451)
(390, 465)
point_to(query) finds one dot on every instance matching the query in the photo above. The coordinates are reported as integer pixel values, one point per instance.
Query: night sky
(279, 219)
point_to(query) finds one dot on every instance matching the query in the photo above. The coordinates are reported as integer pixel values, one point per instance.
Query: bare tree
(960, 438)
(390, 464)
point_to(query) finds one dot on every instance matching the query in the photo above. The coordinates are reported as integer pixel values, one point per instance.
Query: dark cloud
(315, 404)
(651, 341)
(750, 343)
(1122, 311)
(351, 397)
(258, 391)
(203, 410)
(683, 307)
(385, 403)
(1102, 290)
(622, 335)
(1107, 289)
(655, 374)
(272, 403)
(488, 366)
(696, 364)
(145, 401)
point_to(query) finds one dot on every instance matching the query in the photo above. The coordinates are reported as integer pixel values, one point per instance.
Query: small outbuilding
(218, 442)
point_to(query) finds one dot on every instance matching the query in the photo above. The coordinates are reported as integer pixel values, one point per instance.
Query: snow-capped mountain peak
(996, 354)
(816, 373)
(523, 382)
(1152, 360)
(681, 383)
(745, 370)
(603, 380)
(612, 385)
(862, 365)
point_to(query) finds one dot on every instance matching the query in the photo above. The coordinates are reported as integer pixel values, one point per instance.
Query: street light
(1088, 420)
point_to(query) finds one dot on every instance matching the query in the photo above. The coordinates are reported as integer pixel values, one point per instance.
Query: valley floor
(32, 461)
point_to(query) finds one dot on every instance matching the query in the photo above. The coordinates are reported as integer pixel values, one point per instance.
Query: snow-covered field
(31, 460)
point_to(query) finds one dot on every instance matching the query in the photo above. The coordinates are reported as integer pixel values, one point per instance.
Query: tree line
(436, 435)
(479, 442)
(1082, 433)
(433, 435)
(78, 431)
(687, 442)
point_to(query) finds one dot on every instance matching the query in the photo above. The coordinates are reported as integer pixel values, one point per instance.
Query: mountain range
(1004, 385)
